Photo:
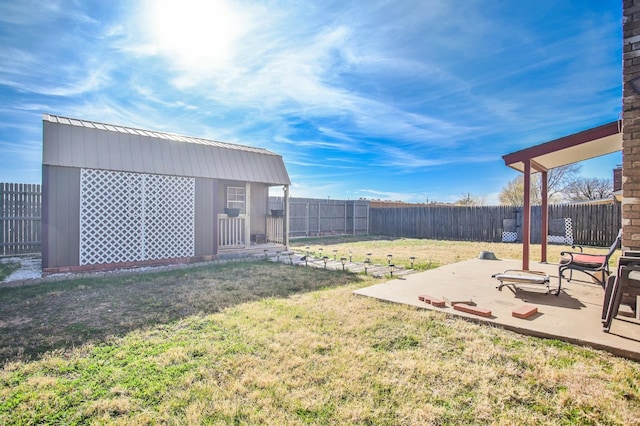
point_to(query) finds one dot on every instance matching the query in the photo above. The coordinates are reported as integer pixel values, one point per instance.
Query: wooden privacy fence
(20, 212)
(312, 217)
(595, 225)
(441, 222)
(20, 218)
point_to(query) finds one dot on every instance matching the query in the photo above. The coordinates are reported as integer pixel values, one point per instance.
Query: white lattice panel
(169, 217)
(128, 217)
(568, 230)
(509, 237)
(111, 221)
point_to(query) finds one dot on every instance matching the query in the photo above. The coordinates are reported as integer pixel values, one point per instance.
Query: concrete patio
(574, 316)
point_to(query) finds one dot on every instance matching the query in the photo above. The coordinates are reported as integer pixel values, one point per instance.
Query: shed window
(236, 198)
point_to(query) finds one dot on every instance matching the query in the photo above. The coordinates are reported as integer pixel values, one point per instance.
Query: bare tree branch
(470, 199)
(582, 189)
(513, 192)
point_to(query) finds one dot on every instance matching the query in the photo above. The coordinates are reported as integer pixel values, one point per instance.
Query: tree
(557, 179)
(513, 193)
(470, 199)
(582, 189)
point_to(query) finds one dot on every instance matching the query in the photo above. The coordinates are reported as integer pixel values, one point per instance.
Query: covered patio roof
(595, 142)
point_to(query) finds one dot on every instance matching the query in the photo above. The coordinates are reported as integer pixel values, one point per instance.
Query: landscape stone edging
(120, 272)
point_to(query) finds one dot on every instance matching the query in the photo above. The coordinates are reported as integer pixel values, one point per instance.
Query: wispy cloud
(378, 95)
(408, 160)
(20, 162)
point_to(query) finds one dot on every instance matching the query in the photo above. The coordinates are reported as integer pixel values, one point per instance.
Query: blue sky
(402, 100)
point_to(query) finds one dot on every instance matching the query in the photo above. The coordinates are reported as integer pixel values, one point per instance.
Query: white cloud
(282, 74)
(24, 149)
(408, 160)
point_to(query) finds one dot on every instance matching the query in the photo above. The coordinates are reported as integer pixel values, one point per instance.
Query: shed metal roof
(72, 142)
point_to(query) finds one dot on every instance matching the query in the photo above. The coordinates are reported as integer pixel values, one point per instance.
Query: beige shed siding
(102, 151)
(194, 166)
(157, 162)
(121, 155)
(227, 166)
(134, 146)
(205, 219)
(258, 167)
(61, 235)
(77, 153)
(64, 133)
(259, 204)
(83, 144)
(96, 153)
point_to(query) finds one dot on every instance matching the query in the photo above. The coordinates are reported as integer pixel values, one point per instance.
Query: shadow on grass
(64, 314)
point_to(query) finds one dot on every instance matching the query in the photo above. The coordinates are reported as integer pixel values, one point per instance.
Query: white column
(285, 236)
(247, 219)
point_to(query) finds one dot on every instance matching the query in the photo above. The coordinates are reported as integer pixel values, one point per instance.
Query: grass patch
(266, 343)
(64, 314)
(7, 269)
(428, 254)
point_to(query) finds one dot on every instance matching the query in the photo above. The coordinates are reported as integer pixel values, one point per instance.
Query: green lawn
(7, 268)
(264, 343)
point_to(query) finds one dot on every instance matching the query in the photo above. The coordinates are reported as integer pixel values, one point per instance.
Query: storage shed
(116, 196)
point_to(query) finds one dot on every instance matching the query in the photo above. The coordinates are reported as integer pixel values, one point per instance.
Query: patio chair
(625, 283)
(594, 265)
(515, 277)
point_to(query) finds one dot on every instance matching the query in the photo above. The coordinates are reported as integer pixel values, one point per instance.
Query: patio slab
(573, 316)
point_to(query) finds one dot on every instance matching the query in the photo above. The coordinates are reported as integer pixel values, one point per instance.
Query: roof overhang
(595, 142)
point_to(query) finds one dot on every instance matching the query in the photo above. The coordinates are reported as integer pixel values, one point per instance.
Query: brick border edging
(105, 267)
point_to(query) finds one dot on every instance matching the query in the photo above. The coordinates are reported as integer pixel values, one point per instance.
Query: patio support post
(544, 226)
(579, 146)
(285, 237)
(526, 216)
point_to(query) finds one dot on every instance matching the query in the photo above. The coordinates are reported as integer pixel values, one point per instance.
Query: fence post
(368, 212)
(307, 230)
(345, 218)
(353, 219)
